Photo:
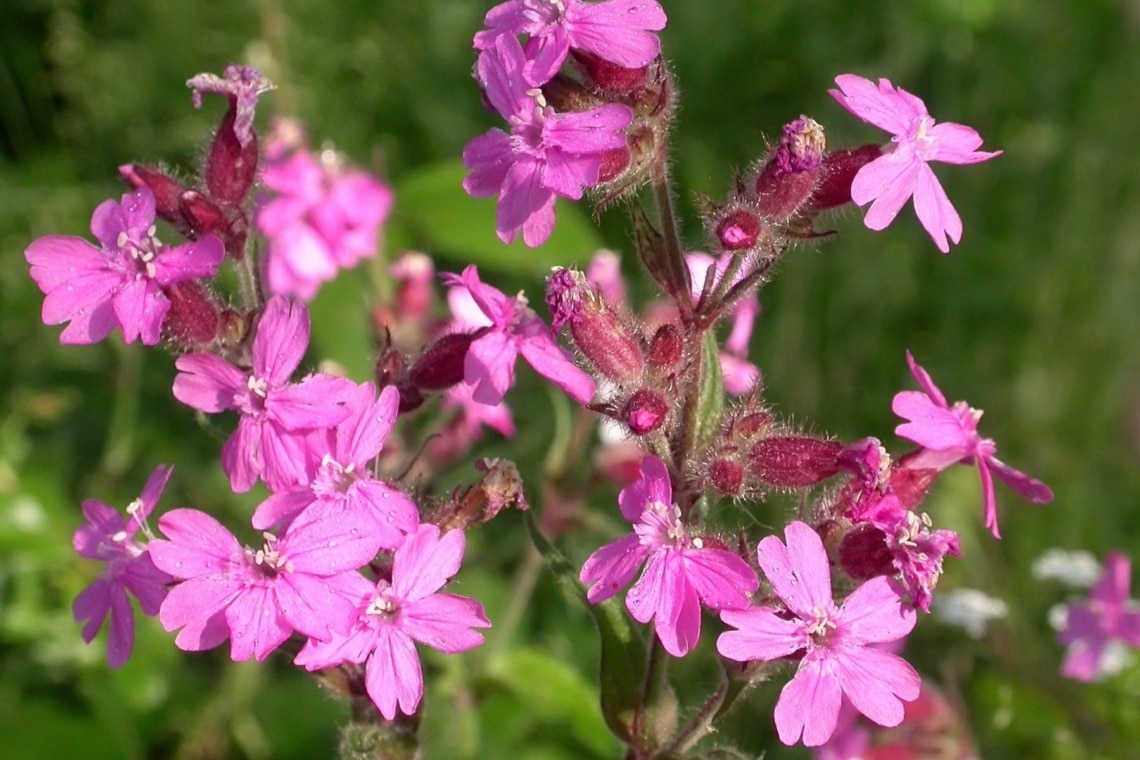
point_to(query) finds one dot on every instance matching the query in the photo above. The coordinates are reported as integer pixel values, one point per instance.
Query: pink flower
(839, 656)
(547, 154)
(343, 480)
(392, 617)
(892, 178)
(242, 85)
(680, 571)
(321, 216)
(110, 537)
(120, 284)
(1095, 627)
(619, 31)
(949, 435)
(604, 271)
(269, 440)
(303, 580)
(509, 328)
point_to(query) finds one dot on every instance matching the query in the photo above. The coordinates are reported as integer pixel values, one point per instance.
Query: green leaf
(341, 331)
(436, 211)
(623, 653)
(555, 693)
(710, 404)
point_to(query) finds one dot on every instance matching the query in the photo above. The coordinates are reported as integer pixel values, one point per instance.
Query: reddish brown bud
(864, 553)
(230, 166)
(789, 177)
(440, 366)
(666, 348)
(645, 411)
(167, 191)
(836, 174)
(194, 318)
(203, 215)
(754, 423)
(794, 461)
(726, 476)
(609, 78)
(600, 332)
(739, 230)
(614, 162)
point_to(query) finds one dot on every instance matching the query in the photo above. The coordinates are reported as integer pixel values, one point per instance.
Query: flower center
(334, 478)
(384, 605)
(820, 627)
(924, 143)
(140, 253)
(661, 525)
(269, 560)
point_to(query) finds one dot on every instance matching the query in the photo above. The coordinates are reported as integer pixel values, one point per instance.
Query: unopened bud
(614, 162)
(666, 348)
(754, 424)
(789, 177)
(609, 78)
(194, 319)
(726, 476)
(203, 215)
(864, 554)
(836, 174)
(739, 229)
(167, 191)
(230, 165)
(910, 485)
(441, 365)
(645, 411)
(794, 461)
(599, 331)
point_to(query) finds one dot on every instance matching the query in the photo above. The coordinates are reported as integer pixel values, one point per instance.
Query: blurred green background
(1033, 318)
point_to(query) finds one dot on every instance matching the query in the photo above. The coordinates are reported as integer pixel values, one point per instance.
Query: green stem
(522, 588)
(674, 253)
(656, 680)
(686, 435)
(701, 724)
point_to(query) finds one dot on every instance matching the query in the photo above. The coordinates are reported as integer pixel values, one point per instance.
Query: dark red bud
(739, 230)
(666, 348)
(864, 554)
(167, 191)
(203, 215)
(602, 335)
(194, 319)
(230, 166)
(726, 476)
(607, 77)
(645, 411)
(754, 424)
(614, 162)
(794, 461)
(836, 174)
(440, 366)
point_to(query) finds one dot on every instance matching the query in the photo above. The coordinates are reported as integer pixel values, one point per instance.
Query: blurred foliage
(1034, 318)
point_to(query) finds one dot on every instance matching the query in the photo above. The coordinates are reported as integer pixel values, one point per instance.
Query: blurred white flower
(1076, 569)
(969, 609)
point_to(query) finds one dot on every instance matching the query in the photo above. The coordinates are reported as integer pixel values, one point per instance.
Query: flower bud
(441, 364)
(230, 165)
(599, 331)
(793, 461)
(645, 411)
(726, 476)
(606, 77)
(790, 175)
(837, 172)
(910, 485)
(194, 318)
(167, 191)
(666, 348)
(739, 229)
(864, 554)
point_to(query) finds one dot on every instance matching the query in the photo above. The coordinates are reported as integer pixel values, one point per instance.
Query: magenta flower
(892, 178)
(275, 416)
(680, 572)
(392, 617)
(303, 580)
(547, 154)
(840, 658)
(1097, 627)
(242, 85)
(949, 435)
(321, 216)
(110, 537)
(509, 328)
(343, 481)
(120, 284)
(618, 31)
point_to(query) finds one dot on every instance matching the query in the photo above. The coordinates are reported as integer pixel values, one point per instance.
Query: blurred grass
(1033, 318)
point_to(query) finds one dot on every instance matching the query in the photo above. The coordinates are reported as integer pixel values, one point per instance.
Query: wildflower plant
(356, 523)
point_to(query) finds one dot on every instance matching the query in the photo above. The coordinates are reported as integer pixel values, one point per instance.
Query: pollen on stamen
(257, 386)
(122, 240)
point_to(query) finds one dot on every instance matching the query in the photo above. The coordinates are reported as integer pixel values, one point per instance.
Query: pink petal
(488, 158)
(280, 509)
(152, 491)
(930, 426)
(143, 579)
(92, 605)
(393, 675)
(989, 500)
(957, 144)
(286, 463)
(207, 383)
(1082, 660)
(241, 454)
(493, 306)
(310, 606)
(256, 625)
(809, 703)
(721, 579)
(644, 599)
(877, 683)
(568, 174)
(444, 622)
(59, 260)
(198, 545)
(426, 561)
(523, 197)
(545, 54)
(490, 367)
(937, 214)
(612, 567)
(583, 132)
(889, 180)
(500, 71)
(121, 634)
(197, 607)
(618, 31)
(678, 618)
(653, 485)
(355, 648)
(879, 105)
(190, 261)
(762, 635)
(394, 514)
(315, 402)
(1030, 489)
(874, 613)
(105, 521)
(925, 381)
(361, 435)
(553, 363)
(799, 573)
(281, 339)
(323, 541)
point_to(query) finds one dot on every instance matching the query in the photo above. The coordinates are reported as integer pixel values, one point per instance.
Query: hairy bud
(645, 411)
(793, 461)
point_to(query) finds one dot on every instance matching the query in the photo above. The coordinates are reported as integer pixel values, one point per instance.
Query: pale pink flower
(242, 85)
(618, 31)
(892, 178)
(119, 284)
(343, 479)
(509, 328)
(681, 572)
(949, 435)
(392, 617)
(303, 580)
(1106, 621)
(275, 416)
(546, 155)
(109, 536)
(319, 217)
(839, 656)
(604, 271)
